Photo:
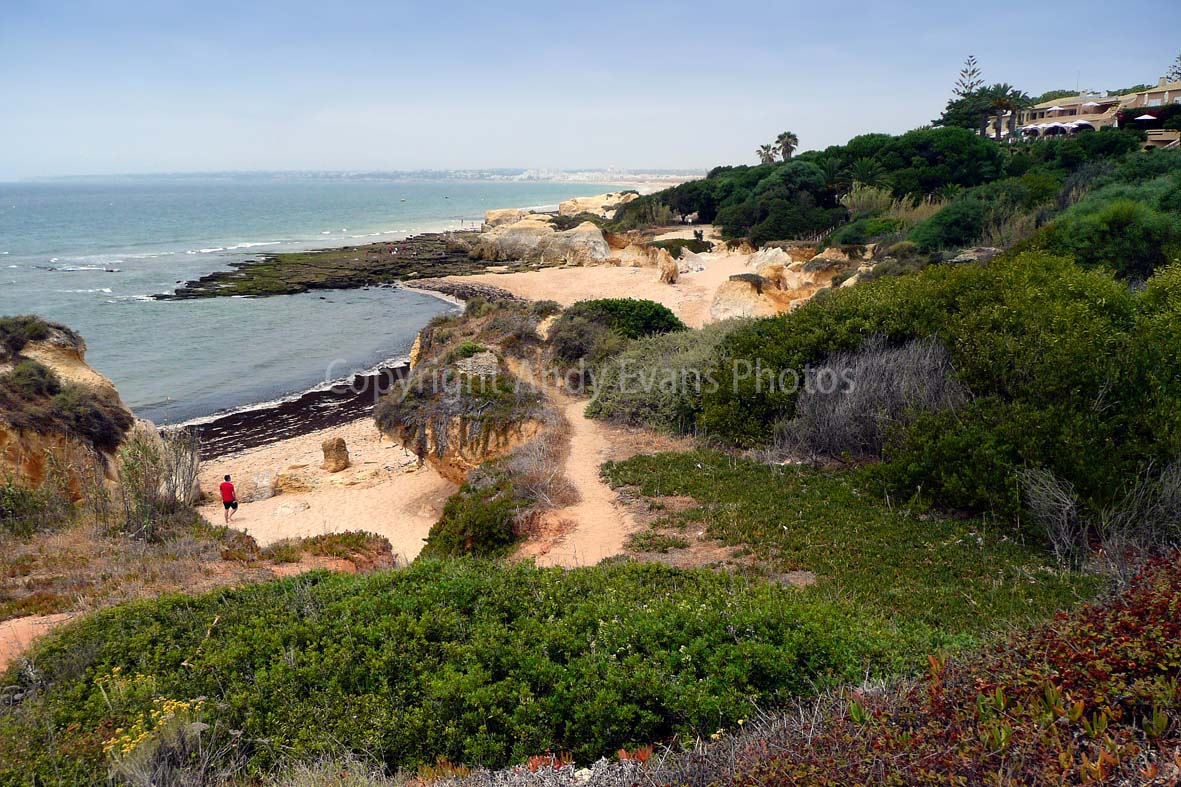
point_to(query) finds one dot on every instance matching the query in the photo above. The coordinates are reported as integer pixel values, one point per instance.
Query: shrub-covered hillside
(480, 663)
(809, 193)
(1063, 370)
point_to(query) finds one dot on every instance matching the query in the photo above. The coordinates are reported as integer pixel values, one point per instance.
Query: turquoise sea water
(90, 253)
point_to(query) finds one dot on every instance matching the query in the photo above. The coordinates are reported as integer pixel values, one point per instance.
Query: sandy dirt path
(689, 298)
(596, 526)
(17, 635)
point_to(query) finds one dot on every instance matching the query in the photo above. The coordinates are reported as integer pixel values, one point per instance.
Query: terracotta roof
(1170, 86)
(1070, 101)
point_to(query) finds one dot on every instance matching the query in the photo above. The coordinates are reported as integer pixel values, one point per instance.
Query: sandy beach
(689, 298)
(384, 491)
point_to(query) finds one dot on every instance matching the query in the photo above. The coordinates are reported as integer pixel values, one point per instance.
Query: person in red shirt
(229, 499)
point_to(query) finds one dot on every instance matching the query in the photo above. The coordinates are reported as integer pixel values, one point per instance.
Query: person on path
(229, 499)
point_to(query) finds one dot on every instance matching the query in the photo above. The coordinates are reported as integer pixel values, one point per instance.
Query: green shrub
(1127, 235)
(631, 318)
(32, 380)
(590, 332)
(894, 267)
(24, 511)
(465, 349)
(1037, 341)
(658, 381)
(16, 332)
(478, 520)
(84, 413)
(864, 231)
(481, 663)
(562, 223)
(957, 225)
(903, 249)
(574, 340)
(539, 310)
(677, 246)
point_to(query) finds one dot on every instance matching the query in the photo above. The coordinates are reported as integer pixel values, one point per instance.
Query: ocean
(90, 253)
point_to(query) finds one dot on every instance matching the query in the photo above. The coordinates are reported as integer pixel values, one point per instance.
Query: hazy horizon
(165, 88)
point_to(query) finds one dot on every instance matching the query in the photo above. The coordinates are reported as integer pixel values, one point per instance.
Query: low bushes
(631, 318)
(575, 340)
(876, 390)
(1128, 235)
(677, 246)
(865, 231)
(32, 380)
(465, 350)
(658, 381)
(478, 520)
(1089, 699)
(1066, 368)
(16, 332)
(957, 225)
(480, 663)
(85, 413)
(590, 332)
(32, 397)
(25, 511)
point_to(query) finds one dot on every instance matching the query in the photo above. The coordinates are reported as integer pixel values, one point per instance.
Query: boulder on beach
(581, 245)
(669, 270)
(336, 455)
(748, 295)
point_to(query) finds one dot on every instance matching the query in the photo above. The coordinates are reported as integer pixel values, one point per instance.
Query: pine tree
(1174, 74)
(970, 80)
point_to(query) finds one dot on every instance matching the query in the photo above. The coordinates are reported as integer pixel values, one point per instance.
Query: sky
(144, 86)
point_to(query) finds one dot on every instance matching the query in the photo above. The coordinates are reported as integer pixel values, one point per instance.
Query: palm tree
(867, 172)
(999, 99)
(787, 142)
(766, 154)
(835, 179)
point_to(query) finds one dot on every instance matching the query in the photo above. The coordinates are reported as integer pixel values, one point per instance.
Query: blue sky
(114, 86)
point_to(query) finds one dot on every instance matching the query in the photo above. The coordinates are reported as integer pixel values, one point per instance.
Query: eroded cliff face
(30, 456)
(533, 239)
(454, 447)
(602, 205)
(781, 280)
(462, 406)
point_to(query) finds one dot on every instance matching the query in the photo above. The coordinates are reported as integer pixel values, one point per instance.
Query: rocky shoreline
(310, 412)
(431, 255)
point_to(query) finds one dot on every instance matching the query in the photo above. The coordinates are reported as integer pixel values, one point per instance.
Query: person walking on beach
(229, 499)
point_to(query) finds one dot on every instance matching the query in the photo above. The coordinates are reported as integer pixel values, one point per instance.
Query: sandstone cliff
(602, 205)
(462, 406)
(784, 279)
(533, 239)
(68, 422)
